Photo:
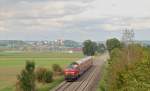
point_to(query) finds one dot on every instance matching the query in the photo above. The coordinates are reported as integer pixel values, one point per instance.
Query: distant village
(56, 45)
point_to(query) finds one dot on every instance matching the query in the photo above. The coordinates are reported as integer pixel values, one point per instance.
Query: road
(88, 81)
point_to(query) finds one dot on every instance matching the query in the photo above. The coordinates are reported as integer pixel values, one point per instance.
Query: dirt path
(88, 81)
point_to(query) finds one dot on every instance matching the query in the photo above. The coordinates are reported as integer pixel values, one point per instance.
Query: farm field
(11, 63)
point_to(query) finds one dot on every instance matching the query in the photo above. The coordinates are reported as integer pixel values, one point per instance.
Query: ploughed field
(11, 63)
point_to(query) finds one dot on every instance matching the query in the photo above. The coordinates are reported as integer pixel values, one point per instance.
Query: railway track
(73, 86)
(86, 82)
(63, 86)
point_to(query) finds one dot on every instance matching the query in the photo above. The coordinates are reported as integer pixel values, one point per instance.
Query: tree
(89, 48)
(100, 48)
(27, 78)
(113, 43)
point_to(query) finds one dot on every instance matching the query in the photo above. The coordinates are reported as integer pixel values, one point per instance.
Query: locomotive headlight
(72, 72)
(66, 72)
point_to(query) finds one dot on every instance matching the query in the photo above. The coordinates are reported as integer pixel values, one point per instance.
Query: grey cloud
(46, 0)
(40, 10)
(108, 24)
(14, 2)
(25, 16)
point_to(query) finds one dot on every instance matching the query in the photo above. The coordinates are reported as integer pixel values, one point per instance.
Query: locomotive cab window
(73, 65)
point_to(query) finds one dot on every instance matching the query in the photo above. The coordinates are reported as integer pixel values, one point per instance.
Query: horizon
(68, 39)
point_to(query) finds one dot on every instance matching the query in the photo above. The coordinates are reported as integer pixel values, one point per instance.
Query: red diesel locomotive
(76, 69)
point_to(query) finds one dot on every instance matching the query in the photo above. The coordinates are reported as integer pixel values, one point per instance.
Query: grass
(102, 83)
(12, 63)
(39, 55)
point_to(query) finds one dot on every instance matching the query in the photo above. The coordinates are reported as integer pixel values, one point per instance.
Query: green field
(11, 63)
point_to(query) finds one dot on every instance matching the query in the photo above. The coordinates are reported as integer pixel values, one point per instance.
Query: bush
(47, 76)
(43, 75)
(26, 79)
(39, 74)
(57, 69)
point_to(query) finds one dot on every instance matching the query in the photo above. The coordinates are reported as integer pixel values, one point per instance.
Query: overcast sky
(73, 19)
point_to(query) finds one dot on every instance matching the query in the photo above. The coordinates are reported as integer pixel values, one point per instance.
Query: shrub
(47, 76)
(57, 69)
(43, 75)
(26, 79)
(39, 74)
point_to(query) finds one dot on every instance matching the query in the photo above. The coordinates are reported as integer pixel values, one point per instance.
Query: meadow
(11, 63)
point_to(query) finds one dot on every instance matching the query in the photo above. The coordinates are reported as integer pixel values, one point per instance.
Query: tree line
(128, 68)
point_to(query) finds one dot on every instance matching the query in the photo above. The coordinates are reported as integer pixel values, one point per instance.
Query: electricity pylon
(128, 36)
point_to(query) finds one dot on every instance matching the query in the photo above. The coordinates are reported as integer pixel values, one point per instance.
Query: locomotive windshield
(72, 65)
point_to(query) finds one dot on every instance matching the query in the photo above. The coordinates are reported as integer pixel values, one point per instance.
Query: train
(74, 70)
